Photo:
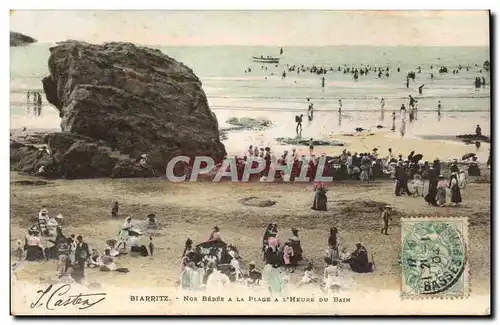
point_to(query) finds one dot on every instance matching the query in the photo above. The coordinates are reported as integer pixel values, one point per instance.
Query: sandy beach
(128, 100)
(192, 209)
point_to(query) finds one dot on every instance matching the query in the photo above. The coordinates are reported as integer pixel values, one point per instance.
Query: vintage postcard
(250, 162)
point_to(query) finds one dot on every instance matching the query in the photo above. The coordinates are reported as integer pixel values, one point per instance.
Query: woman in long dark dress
(432, 192)
(320, 198)
(333, 243)
(456, 197)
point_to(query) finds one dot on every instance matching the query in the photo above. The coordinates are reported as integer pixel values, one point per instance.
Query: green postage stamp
(434, 258)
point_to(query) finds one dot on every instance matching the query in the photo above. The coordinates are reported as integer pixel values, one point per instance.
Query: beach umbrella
(416, 158)
(134, 232)
(111, 242)
(359, 129)
(468, 155)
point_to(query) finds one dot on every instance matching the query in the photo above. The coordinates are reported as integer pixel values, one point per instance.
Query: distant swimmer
(420, 89)
(382, 105)
(402, 111)
(407, 82)
(310, 112)
(340, 106)
(281, 51)
(432, 76)
(28, 97)
(402, 130)
(323, 82)
(478, 131)
(298, 120)
(439, 108)
(283, 75)
(393, 122)
(399, 69)
(412, 101)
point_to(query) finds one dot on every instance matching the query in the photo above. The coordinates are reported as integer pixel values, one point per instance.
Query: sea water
(232, 92)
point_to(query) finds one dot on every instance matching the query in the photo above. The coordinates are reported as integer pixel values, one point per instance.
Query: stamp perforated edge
(466, 273)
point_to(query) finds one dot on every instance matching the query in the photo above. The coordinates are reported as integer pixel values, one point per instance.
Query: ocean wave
(333, 110)
(19, 91)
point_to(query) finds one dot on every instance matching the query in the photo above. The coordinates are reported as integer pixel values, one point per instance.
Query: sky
(253, 28)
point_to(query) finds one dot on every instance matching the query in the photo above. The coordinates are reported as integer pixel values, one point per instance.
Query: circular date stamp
(434, 257)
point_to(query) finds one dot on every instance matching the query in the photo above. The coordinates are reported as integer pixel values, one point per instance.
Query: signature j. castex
(53, 298)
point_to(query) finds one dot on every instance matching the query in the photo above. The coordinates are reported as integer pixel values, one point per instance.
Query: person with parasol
(320, 198)
(123, 233)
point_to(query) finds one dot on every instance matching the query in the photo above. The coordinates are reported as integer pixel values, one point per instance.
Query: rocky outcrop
(18, 39)
(118, 101)
(470, 138)
(305, 142)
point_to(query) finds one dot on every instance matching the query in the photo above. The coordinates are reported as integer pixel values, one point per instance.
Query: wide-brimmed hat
(63, 247)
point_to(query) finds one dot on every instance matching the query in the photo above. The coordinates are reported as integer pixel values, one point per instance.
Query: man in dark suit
(82, 253)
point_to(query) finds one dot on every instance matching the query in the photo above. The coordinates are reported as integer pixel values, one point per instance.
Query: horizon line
(248, 45)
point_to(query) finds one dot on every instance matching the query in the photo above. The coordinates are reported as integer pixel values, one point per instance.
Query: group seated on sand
(215, 265)
(73, 254)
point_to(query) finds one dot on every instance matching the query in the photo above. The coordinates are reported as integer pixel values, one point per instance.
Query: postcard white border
(186, 4)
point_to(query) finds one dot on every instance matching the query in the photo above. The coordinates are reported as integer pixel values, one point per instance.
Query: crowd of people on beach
(214, 264)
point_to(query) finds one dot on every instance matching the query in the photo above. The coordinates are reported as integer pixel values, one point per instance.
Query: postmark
(434, 258)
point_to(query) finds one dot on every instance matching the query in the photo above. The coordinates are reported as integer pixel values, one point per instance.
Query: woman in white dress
(123, 233)
(331, 276)
(236, 265)
(403, 127)
(217, 281)
(308, 276)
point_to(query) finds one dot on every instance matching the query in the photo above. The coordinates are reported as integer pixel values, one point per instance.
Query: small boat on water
(263, 59)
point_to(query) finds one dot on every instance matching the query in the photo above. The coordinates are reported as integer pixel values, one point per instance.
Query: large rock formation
(18, 39)
(118, 101)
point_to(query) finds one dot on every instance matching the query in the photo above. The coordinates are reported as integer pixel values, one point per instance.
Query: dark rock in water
(472, 138)
(18, 39)
(358, 129)
(248, 122)
(379, 126)
(305, 142)
(118, 101)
